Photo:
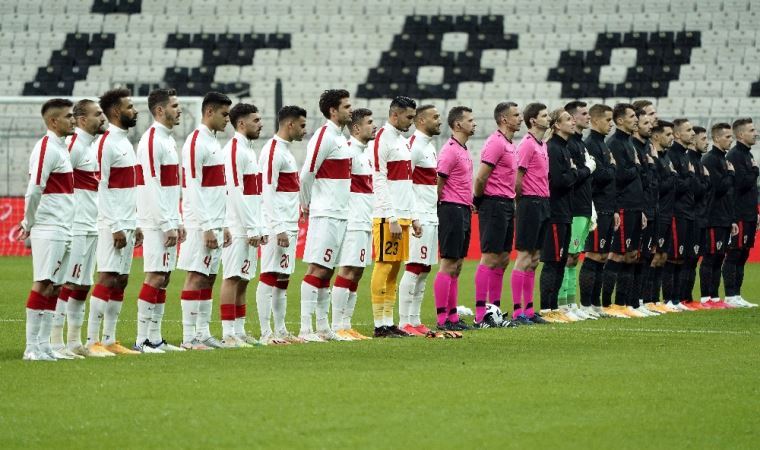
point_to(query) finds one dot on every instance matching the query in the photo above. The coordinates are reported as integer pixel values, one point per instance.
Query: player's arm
(746, 178)
(194, 182)
(40, 165)
(380, 182)
(722, 183)
(488, 161)
(315, 156)
(627, 170)
(271, 171)
(562, 173)
(685, 179)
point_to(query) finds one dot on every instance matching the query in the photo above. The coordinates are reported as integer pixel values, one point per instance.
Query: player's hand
(210, 239)
(304, 214)
(395, 230)
(264, 240)
(652, 151)
(119, 239)
(672, 169)
(691, 167)
(416, 229)
(283, 240)
(734, 229)
(616, 221)
(754, 163)
(650, 160)
(636, 158)
(254, 241)
(227, 237)
(643, 221)
(612, 160)
(729, 166)
(139, 237)
(21, 233)
(705, 171)
(572, 164)
(590, 162)
(181, 234)
(170, 238)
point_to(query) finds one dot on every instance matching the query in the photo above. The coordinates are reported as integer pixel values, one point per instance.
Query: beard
(127, 121)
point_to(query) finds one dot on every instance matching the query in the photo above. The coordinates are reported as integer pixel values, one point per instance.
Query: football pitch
(688, 380)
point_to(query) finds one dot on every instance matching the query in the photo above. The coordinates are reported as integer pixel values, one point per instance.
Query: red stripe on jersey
(183, 178)
(73, 139)
(424, 175)
(377, 148)
(213, 176)
(337, 169)
(316, 149)
(85, 180)
(411, 142)
(192, 153)
(59, 183)
(139, 177)
(271, 159)
(170, 175)
(43, 149)
(100, 148)
(150, 151)
(234, 162)
(399, 170)
(288, 182)
(252, 184)
(361, 184)
(122, 178)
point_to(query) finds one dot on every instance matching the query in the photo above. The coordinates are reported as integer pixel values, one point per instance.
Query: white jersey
(49, 199)
(204, 192)
(119, 176)
(280, 195)
(158, 198)
(326, 174)
(84, 161)
(243, 188)
(424, 177)
(360, 201)
(393, 175)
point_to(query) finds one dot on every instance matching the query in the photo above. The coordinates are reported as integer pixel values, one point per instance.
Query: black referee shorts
(531, 222)
(627, 238)
(496, 216)
(453, 230)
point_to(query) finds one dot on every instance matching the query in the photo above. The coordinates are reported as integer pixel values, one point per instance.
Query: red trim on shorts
(150, 151)
(316, 149)
(59, 183)
(313, 281)
(556, 242)
(192, 153)
(101, 292)
(282, 284)
(43, 149)
(227, 312)
(36, 301)
(336, 169)
(377, 148)
(674, 232)
(268, 278)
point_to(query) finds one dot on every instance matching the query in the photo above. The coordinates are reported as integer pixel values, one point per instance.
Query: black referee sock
(586, 281)
(729, 273)
(706, 275)
(610, 276)
(549, 285)
(668, 282)
(624, 290)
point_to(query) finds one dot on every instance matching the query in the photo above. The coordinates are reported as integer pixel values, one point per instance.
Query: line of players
(94, 199)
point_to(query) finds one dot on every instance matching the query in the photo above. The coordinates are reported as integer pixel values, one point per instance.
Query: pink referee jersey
(455, 165)
(533, 157)
(501, 154)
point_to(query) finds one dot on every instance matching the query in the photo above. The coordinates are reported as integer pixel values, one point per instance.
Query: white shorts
(194, 256)
(157, 257)
(49, 259)
(324, 239)
(276, 259)
(357, 249)
(424, 250)
(82, 260)
(111, 259)
(239, 259)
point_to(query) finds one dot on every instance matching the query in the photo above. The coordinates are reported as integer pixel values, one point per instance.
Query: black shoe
(447, 326)
(509, 324)
(383, 332)
(537, 319)
(521, 319)
(460, 326)
(393, 329)
(487, 322)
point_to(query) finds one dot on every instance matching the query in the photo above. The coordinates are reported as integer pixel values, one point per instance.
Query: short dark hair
(678, 122)
(599, 110)
(456, 114)
(422, 108)
(80, 107)
(290, 112)
(112, 98)
(738, 123)
(718, 127)
(618, 111)
(359, 114)
(241, 110)
(574, 106)
(502, 109)
(699, 130)
(159, 97)
(641, 104)
(331, 98)
(661, 125)
(214, 100)
(531, 112)
(402, 102)
(55, 103)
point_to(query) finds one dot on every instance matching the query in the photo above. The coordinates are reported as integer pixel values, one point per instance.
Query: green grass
(678, 381)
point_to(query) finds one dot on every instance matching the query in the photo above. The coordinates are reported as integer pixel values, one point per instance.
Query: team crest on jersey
(602, 242)
(745, 238)
(680, 249)
(561, 252)
(696, 249)
(576, 242)
(719, 244)
(627, 242)
(661, 242)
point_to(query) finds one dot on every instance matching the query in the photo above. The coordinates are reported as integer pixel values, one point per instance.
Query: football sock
(744, 256)
(587, 280)
(154, 329)
(624, 285)
(240, 312)
(684, 293)
(280, 305)
(419, 296)
(596, 296)
(378, 283)
(309, 292)
(516, 282)
(264, 301)
(548, 284)
(716, 269)
(570, 284)
(350, 305)
(189, 303)
(690, 267)
(98, 303)
(656, 287)
(636, 284)
(111, 315)
(453, 299)
(495, 285)
(483, 275)
(668, 282)
(323, 306)
(227, 315)
(390, 294)
(441, 288)
(610, 276)
(75, 318)
(59, 317)
(562, 291)
(35, 309)
(46, 324)
(146, 304)
(529, 282)
(340, 293)
(203, 320)
(729, 273)
(406, 289)
(705, 275)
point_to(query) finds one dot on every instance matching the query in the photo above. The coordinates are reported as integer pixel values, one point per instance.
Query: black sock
(729, 273)
(668, 282)
(548, 284)
(654, 293)
(624, 292)
(596, 297)
(740, 270)
(682, 281)
(586, 281)
(717, 266)
(610, 276)
(690, 266)
(705, 275)
(637, 286)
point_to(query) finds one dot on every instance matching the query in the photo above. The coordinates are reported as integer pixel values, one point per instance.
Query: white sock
(46, 325)
(279, 309)
(388, 312)
(240, 326)
(154, 329)
(348, 311)
(704, 299)
(75, 319)
(33, 322)
(228, 328)
(419, 295)
(309, 295)
(59, 319)
(264, 294)
(323, 309)
(110, 319)
(203, 320)
(406, 290)
(339, 302)
(189, 319)
(144, 317)
(97, 311)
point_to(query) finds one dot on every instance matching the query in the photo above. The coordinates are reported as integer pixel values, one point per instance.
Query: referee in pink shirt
(454, 213)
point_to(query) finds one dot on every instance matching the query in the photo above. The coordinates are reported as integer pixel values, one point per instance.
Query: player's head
(648, 107)
(402, 112)
(118, 107)
(428, 120)
(335, 105)
(601, 118)
(644, 124)
(363, 126)
(460, 120)
(700, 139)
(662, 134)
(246, 120)
(579, 111)
(744, 131)
(216, 111)
(683, 131)
(507, 114)
(624, 116)
(721, 135)
(561, 123)
(164, 106)
(536, 117)
(89, 117)
(291, 122)
(58, 116)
